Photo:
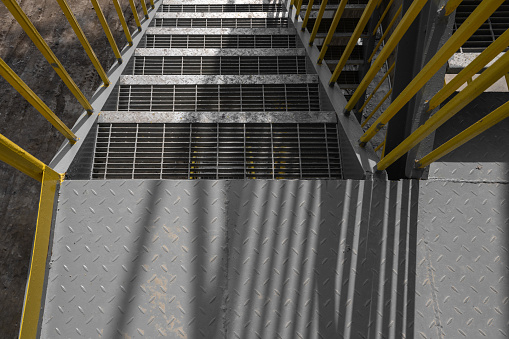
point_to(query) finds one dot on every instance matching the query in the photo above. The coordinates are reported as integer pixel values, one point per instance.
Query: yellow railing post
(35, 285)
(480, 126)
(43, 47)
(144, 7)
(463, 98)
(410, 15)
(135, 14)
(34, 100)
(363, 21)
(377, 86)
(451, 6)
(152, 4)
(298, 7)
(382, 17)
(387, 30)
(379, 146)
(496, 47)
(318, 20)
(308, 13)
(83, 39)
(123, 22)
(389, 92)
(107, 31)
(15, 156)
(332, 30)
(471, 24)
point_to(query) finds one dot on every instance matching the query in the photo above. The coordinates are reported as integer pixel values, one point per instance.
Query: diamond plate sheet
(136, 259)
(484, 158)
(463, 269)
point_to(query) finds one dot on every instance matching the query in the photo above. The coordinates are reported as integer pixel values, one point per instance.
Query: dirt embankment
(19, 194)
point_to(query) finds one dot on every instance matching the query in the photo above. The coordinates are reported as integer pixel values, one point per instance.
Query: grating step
(223, 8)
(334, 52)
(220, 22)
(345, 25)
(219, 98)
(227, 65)
(219, 41)
(217, 151)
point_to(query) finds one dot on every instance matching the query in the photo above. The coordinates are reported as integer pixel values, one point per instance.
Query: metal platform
(278, 259)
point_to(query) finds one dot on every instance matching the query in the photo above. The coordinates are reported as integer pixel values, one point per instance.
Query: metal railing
(473, 88)
(15, 156)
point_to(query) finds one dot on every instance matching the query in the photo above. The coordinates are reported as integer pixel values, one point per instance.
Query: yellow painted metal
(480, 126)
(377, 86)
(35, 284)
(494, 49)
(379, 146)
(298, 6)
(43, 47)
(387, 30)
(469, 26)
(389, 92)
(106, 29)
(34, 100)
(152, 4)
(507, 79)
(122, 21)
(332, 30)
(396, 36)
(363, 21)
(451, 6)
(144, 7)
(317, 21)
(308, 13)
(292, 2)
(382, 17)
(463, 98)
(15, 156)
(135, 14)
(64, 6)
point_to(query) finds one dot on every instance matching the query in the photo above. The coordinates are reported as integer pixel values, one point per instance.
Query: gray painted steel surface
(269, 259)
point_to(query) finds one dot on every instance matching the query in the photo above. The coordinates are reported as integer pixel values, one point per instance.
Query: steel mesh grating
(218, 41)
(220, 22)
(209, 65)
(222, 8)
(216, 98)
(217, 151)
(490, 30)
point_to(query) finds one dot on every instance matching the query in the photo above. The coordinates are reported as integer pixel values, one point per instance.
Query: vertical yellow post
(122, 21)
(83, 40)
(34, 100)
(382, 17)
(465, 31)
(363, 21)
(144, 6)
(35, 284)
(107, 31)
(332, 30)
(318, 21)
(43, 47)
(308, 13)
(135, 14)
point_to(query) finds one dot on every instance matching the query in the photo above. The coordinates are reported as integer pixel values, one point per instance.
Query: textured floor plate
(278, 259)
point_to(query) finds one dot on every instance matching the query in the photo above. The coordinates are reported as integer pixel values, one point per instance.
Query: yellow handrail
(389, 92)
(332, 30)
(144, 7)
(378, 86)
(308, 13)
(43, 47)
(363, 21)
(480, 126)
(107, 31)
(135, 14)
(123, 22)
(464, 32)
(451, 6)
(34, 100)
(476, 87)
(382, 17)
(387, 30)
(318, 19)
(83, 40)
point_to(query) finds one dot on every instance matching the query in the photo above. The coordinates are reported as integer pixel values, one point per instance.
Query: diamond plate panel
(484, 158)
(464, 263)
(137, 259)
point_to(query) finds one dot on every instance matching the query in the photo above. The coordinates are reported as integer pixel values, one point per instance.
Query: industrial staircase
(218, 195)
